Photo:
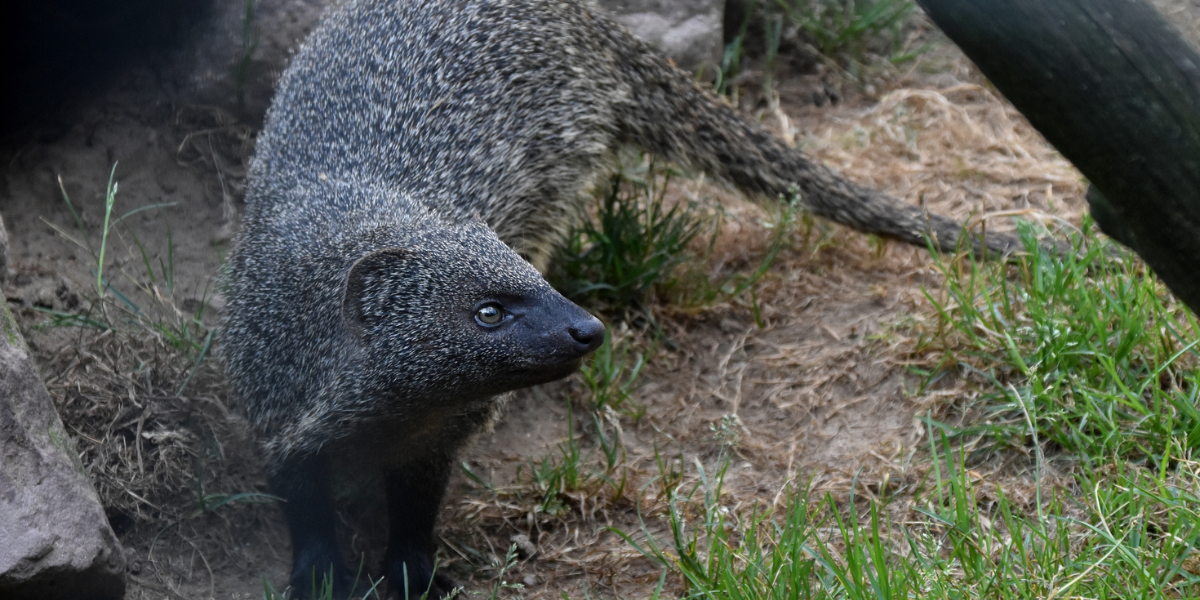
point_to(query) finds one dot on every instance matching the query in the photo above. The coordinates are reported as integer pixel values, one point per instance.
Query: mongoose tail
(672, 116)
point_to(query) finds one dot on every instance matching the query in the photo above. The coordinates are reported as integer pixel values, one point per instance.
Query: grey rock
(688, 31)
(55, 542)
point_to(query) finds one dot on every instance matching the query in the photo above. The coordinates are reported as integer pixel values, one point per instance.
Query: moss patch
(11, 332)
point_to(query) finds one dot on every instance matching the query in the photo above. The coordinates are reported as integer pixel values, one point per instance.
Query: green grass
(323, 590)
(731, 55)
(848, 33)
(554, 477)
(610, 375)
(1091, 350)
(848, 29)
(1085, 355)
(151, 304)
(641, 249)
(614, 261)
(368, 588)
(1127, 534)
(560, 479)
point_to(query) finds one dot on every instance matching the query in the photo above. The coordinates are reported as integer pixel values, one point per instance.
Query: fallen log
(1116, 89)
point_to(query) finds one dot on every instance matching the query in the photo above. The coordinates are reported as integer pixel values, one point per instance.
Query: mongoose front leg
(308, 506)
(414, 494)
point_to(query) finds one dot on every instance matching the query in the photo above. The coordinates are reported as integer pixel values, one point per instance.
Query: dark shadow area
(55, 53)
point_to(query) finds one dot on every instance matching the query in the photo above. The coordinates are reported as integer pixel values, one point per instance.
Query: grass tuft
(1128, 535)
(615, 261)
(153, 308)
(853, 36)
(642, 249)
(1089, 352)
(850, 28)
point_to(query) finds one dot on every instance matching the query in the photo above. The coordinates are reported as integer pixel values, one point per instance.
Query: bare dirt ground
(821, 392)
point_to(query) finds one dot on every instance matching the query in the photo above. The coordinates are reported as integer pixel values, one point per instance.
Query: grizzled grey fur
(398, 131)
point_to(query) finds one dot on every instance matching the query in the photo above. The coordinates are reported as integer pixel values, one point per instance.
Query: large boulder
(688, 31)
(55, 542)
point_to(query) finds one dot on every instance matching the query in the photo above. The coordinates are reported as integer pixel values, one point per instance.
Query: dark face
(536, 337)
(456, 314)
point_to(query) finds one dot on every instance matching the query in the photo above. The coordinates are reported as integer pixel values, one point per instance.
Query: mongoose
(420, 163)
(366, 330)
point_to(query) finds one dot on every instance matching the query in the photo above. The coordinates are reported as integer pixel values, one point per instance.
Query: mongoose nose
(588, 334)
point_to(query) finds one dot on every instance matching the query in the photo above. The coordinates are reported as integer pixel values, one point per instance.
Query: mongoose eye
(489, 314)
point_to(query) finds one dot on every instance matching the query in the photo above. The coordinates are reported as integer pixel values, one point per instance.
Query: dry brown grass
(155, 456)
(957, 149)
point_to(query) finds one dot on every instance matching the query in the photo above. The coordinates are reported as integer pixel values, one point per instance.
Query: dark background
(53, 53)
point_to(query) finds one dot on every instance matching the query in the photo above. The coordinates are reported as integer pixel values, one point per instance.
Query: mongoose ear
(367, 278)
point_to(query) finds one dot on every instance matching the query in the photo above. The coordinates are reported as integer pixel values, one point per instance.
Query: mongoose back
(420, 163)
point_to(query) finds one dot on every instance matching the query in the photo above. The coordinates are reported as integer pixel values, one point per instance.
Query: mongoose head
(450, 312)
